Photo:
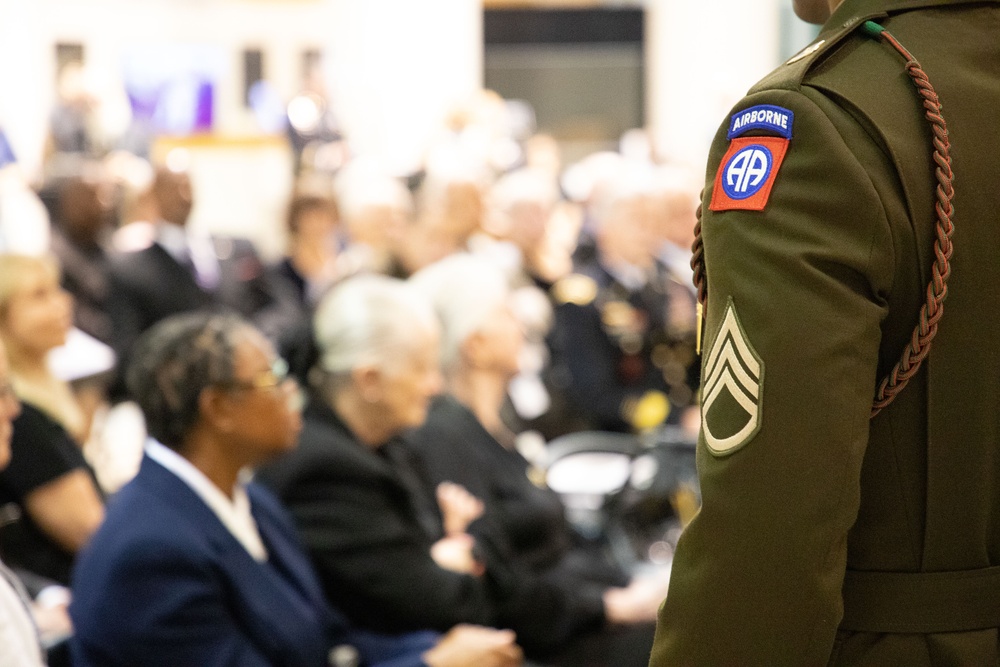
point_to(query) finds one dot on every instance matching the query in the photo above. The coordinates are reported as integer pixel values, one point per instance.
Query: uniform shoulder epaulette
(790, 75)
(575, 288)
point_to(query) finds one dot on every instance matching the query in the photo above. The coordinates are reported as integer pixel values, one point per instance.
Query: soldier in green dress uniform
(838, 527)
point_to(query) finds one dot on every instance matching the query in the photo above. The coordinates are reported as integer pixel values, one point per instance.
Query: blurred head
(472, 301)
(219, 375)
(815, 11)
(674, 205)
(455, 203)
(375, 208)
(36, 313)
(625, 230)
(378, 338)
(9, 409)
(312, 220)
(85, 205)
(172, 195)
(524, 200)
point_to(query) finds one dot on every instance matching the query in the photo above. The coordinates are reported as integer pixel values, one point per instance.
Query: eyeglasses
(272, 378)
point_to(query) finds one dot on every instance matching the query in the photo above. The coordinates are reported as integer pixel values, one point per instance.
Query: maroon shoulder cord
(937, 290)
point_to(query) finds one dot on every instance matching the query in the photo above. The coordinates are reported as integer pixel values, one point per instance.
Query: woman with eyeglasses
(195, 564)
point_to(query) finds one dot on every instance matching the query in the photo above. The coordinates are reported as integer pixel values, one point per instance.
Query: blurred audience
(376, 211)
(81, 231)
(623, 339)
(466, 441)
(181, 270)
(48, 483)
(197, 566)
(390, 554)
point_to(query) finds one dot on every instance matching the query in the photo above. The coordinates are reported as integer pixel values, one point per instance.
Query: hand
(474, 646)
(454, 553)
(53, 622)
(638, 602)
(459, 508)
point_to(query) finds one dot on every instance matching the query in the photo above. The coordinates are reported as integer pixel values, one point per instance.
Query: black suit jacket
(149, 285)
(366, 528)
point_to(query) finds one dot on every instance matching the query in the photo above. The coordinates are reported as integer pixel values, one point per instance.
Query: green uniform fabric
(826, 284)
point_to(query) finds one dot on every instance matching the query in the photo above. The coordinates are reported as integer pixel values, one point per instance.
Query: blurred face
(381, 226)
(174, 199)
(411, 381)
(39, 314)
(500, 342)
(316, 226)
(9, 409)
(263, 402)
(527, 224)
(630, 234)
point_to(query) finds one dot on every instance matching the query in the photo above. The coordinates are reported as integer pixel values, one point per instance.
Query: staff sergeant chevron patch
(733, 388)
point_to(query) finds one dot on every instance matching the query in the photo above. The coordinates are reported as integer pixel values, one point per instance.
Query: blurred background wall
(224, 71)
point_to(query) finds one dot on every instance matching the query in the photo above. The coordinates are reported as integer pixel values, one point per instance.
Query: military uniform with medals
(623, 350)
(828, 535)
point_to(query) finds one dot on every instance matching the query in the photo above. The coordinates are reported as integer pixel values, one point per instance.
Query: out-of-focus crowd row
(442, 327)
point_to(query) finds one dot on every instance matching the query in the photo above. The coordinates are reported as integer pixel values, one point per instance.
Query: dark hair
(304, 203)
(174, 362)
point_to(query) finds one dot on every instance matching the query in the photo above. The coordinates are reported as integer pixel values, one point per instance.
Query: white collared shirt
(234, 514)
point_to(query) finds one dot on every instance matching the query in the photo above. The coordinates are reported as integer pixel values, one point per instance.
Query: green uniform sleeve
(797, 293)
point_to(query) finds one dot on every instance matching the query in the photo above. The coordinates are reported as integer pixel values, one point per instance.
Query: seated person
(197, 566)
(310, 264)
(19, 646)
(48, 483)
(179, 269)
(465, 441)
(623, 340)
(377, 536)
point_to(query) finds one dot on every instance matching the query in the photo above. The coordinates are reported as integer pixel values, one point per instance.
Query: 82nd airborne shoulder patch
(749, 168)
(732, 388)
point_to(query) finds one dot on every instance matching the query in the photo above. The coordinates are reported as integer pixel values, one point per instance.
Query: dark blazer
(149, 285)
(164, 583)
(364, 517)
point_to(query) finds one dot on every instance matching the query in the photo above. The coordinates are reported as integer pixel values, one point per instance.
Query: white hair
(466, 292)
(369, 320)
(524, 185)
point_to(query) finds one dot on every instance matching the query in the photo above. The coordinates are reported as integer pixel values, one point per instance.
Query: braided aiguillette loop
(698, 266)
(937, 290)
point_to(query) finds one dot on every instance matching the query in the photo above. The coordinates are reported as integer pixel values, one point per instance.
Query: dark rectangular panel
(561, 26)
(253, 71)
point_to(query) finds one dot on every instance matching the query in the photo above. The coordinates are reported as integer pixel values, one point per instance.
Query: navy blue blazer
(163, 583)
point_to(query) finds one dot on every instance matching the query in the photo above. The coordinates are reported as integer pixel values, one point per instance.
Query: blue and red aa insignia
(750, 166)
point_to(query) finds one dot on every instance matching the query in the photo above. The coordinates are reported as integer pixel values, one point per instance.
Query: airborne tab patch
(762, 117)
(733, 388)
